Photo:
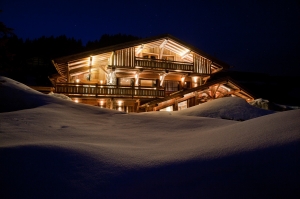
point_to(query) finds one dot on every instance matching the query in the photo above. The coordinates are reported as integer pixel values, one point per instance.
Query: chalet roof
(173, 44)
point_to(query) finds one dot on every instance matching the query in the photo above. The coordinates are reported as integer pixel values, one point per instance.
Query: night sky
(255, 36)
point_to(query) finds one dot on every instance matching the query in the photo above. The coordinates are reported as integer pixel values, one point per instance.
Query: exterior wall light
(195, 79)
(120, 103)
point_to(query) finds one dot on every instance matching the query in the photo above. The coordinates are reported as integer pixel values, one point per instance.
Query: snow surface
(55, 148)
(231, 108)
(62, 96)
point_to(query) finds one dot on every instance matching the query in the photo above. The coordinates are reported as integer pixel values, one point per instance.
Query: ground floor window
(182, 105)
(169, 108)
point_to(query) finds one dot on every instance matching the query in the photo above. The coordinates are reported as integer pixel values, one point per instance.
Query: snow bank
(231, 108)
(67, 150)
(17, 96)
(62, 96)
(265, 104)
(260, 103)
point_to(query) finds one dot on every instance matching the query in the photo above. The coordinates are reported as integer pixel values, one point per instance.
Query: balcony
(97, 90)
(163, 64)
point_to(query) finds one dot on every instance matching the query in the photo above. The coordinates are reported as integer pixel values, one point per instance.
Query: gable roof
(173, 44)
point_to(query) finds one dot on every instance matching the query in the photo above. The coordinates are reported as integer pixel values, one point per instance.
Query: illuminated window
(169, 108)
(125, 81)
(169, 58)
(150, 56)
(145, 82)
(182, 105)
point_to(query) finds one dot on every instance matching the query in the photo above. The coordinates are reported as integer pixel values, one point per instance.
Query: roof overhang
(166, 41)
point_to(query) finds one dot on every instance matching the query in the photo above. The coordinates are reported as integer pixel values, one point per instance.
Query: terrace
(98, 90)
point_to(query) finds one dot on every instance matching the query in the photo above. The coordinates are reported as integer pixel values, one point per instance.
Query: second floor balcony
(163, 64)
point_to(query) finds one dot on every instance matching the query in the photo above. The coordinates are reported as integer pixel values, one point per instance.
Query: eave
(174, 45)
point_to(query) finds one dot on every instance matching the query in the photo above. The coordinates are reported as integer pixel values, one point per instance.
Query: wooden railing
(95, 90)
(164, 64)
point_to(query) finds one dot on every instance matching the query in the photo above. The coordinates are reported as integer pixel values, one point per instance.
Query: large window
(171, 85)
(125, 81)
(147, 82)
(150, 56)
(168, 58)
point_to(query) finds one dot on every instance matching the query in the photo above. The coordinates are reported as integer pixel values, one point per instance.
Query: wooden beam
(111, 58)
(161, 79)
(137, 78)
(90, 67)
(101, 67)
(185, 54)
(82, 69)
(162, 47)
(140, 49)
(214, 90)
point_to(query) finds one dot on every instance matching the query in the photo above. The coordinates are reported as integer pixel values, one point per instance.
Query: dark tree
(29, 61)
(108, 40)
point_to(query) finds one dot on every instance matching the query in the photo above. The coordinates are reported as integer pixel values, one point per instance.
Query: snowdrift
(17, 96)
(232, 108)
(67, 150)
(265, 104)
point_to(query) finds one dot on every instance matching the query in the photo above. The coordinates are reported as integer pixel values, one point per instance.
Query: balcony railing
(164, 64)
(97, 90)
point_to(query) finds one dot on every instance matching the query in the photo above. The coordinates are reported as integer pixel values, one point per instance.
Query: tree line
(29, 60)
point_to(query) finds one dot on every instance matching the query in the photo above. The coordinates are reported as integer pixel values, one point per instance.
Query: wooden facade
(135, 73)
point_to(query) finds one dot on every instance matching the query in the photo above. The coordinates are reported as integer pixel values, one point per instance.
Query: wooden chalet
(157, 73)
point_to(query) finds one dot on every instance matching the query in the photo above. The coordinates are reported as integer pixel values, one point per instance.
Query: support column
(191, 102)
(175, 105)
(109, 103)
(137, 105)
(112, 104)
(68, 73)
(196, 98)
(90, 68)
(162, 78)
(111, 77)
(157, 84)
(137, 76)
